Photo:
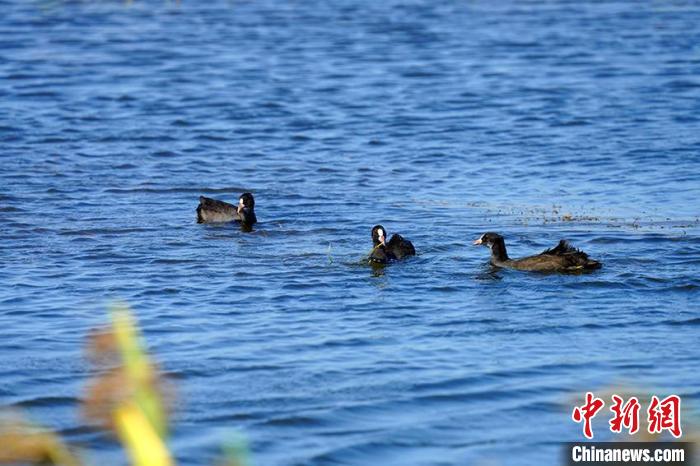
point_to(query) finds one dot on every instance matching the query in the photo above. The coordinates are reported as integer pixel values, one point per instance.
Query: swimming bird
(396, 249)
(213, 211)
(562, 258)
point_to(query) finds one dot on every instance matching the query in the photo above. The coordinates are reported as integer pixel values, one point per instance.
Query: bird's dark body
(216, 211)
(396, 248)
(562, 258)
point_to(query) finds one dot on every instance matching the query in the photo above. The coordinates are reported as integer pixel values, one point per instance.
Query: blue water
(439, 119)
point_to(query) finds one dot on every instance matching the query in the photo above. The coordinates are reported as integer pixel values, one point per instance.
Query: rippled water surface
(438, 119)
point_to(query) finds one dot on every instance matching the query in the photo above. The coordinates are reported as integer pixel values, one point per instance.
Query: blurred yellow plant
(128, 397)
(23, 442)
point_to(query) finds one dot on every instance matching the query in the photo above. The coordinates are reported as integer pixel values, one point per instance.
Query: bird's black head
(495, 243)
(488, 239)
(247, 201)
(378, 235)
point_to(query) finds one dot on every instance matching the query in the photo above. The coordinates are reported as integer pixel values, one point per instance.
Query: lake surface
(439, 119)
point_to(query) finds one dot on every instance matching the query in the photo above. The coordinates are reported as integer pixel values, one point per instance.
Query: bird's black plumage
(396, 248)
(214, 211)
(561, 258)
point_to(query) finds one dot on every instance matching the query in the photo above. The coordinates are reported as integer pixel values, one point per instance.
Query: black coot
(216, 211)
(384, 251)
(562, 258)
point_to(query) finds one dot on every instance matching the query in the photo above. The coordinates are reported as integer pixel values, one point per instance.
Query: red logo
(626, 416)
(587, 412)
(665, 415)
(661, 415)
